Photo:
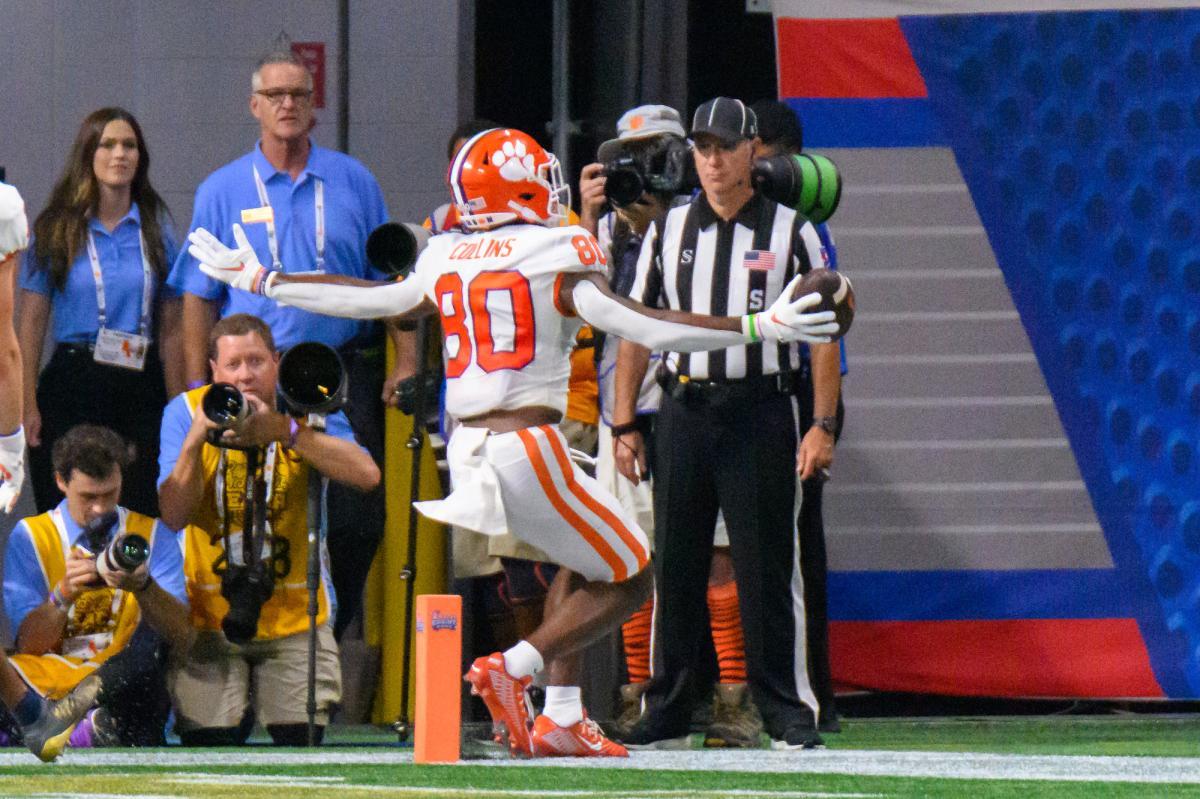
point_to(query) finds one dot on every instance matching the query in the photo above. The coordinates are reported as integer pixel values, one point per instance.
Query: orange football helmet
(502, 175)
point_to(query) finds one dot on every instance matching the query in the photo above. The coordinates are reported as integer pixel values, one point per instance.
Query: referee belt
(683, 389)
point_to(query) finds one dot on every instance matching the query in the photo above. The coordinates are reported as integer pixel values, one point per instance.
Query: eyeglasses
(276, 96)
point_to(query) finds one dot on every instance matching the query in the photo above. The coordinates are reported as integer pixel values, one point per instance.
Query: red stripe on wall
(847, 58)
(1027, 657)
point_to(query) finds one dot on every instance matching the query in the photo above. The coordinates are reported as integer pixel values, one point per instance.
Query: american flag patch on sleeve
(759, 259)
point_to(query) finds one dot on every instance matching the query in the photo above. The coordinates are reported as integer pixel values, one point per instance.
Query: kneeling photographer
(92, 588)
(234, 475)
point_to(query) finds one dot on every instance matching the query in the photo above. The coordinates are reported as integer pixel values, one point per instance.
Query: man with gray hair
(311, 209)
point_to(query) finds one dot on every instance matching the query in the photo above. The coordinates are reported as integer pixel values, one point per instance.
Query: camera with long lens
(810, 183)
(225, 406)
(115, 552)
(312, 379)
(393, 247)
(663, 168)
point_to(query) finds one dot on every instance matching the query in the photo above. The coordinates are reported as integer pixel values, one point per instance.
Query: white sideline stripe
(104, 796)
(966, 529)
(908, 188)
(957, 488)
(955, 360)
(923, 274)
(949, 765)
(949, 402)
(251, 780)
(888, 232)
(956, 444)
(938, 316)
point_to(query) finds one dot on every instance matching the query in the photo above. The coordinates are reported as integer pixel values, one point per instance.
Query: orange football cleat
(582, 739)
(506, 700)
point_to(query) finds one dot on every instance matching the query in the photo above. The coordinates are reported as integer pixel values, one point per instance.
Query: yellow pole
(385, 599)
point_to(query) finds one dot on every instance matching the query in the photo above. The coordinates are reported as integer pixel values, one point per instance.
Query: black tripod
(426, 381)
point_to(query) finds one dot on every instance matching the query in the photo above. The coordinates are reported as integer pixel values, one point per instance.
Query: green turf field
(1070, 756)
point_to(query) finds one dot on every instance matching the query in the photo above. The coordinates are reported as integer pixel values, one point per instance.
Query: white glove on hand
(12, 468)
(14, 227)
(786, 321)
(239, 268)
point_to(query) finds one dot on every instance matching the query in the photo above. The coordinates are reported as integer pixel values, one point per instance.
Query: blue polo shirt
(353, 208)
(25, 584)
(76, 315)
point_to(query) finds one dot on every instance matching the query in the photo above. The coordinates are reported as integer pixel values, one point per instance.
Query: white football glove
(239, 268)
(12, 468)
(786, 321)
(14, 227)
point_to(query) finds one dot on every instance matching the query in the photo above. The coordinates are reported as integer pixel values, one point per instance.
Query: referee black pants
(739, 457)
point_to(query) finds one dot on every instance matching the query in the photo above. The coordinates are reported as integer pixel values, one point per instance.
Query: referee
(727, 436)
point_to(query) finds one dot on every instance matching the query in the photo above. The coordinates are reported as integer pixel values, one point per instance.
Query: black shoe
(799, 737)
(654, 731)
(830, 722)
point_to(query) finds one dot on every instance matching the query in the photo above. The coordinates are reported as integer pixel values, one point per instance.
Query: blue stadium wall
(1078, 136)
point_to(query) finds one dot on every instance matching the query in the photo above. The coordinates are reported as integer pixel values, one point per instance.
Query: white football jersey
(506, 344)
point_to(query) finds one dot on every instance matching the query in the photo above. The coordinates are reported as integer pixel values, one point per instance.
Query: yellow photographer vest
(101, 620)
(286, 612)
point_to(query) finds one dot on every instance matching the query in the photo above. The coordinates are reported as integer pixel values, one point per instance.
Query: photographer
(202, 491)
(77, 586)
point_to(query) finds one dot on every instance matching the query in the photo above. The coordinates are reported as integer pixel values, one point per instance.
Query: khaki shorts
(213, 688)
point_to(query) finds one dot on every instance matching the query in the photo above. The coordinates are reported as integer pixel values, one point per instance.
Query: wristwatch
(826, 423)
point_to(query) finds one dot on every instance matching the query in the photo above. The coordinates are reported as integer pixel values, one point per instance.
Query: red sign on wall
(313, 56)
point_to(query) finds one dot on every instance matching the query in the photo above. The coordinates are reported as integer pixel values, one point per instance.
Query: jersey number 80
(454, 321)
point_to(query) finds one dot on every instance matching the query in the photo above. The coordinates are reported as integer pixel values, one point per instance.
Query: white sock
(523, 660)
(564, 705)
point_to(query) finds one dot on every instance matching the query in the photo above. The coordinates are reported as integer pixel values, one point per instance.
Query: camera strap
(233, 542)
(272, 239)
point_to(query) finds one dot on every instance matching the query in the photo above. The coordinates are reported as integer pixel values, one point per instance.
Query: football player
(511, 287)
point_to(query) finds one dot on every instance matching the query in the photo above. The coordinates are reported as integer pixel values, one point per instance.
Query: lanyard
(319, 210)
(147, 284)
(268, 479)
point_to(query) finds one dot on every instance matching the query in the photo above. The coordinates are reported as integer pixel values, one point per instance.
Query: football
(837, 295)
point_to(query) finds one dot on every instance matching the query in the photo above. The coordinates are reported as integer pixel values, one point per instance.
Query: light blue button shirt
(354, 207)
(25, 583)
(76, 315)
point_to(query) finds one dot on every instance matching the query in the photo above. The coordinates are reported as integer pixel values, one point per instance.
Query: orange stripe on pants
(610, 518)
(593, 538)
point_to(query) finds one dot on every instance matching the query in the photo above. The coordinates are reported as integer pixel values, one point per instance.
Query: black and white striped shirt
(703, 264)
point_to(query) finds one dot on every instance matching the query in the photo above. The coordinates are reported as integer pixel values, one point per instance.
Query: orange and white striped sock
(636, 634)
(727, 632)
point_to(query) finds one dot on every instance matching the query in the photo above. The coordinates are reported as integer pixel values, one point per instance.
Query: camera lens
(224, 405)
(625, 183)
(246, 590)
(126, 552)
(312, 378)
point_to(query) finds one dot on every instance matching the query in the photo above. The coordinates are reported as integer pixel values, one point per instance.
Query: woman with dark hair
(99, 257)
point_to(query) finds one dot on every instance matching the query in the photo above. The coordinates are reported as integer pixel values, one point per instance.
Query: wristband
(59, 600)
(750, 328)
(293, 432)
(619, 430)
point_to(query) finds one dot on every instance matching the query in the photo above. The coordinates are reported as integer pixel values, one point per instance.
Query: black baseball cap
(726, 118)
